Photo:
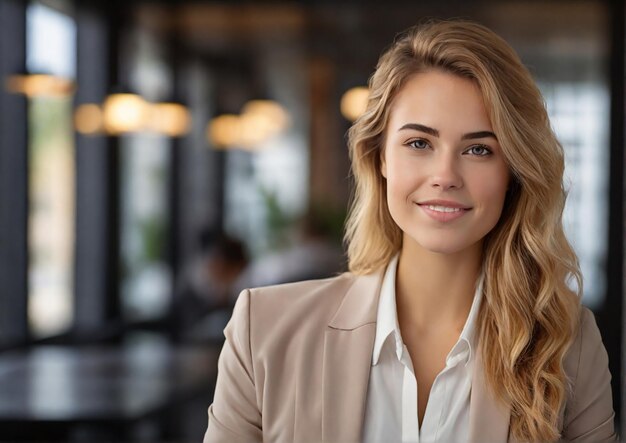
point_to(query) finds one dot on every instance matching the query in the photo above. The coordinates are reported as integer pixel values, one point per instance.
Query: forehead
(445, 101)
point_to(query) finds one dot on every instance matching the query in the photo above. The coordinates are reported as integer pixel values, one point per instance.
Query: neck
(434, 291)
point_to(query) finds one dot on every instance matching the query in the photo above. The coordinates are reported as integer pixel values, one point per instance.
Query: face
(446, 175)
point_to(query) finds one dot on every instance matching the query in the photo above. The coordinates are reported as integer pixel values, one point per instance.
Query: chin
(444, 244)
(443, 248)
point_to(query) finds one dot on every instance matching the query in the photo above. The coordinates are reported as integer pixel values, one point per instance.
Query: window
(50, 50)
(146, 281)
(579, 112)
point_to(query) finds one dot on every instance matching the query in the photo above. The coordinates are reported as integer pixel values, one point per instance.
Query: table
(81, 393)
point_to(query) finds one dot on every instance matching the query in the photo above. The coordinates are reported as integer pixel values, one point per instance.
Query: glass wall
(51, 50)
(569, 59)
(146, 285)
(266, 189)
(579, 112)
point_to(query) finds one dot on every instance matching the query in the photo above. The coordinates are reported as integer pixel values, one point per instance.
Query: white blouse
(391, 409)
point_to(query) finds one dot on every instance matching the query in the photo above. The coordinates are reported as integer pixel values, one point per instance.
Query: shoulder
(586, 346)
(588, 413)
(272, 313)
(309, 289)
(311, 298)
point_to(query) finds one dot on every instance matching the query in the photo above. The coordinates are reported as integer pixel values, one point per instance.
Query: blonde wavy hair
(530, 314)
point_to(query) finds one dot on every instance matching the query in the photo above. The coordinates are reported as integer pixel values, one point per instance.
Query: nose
(445, 173)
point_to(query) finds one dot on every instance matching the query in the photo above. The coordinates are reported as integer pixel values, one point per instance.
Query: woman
(456, 322)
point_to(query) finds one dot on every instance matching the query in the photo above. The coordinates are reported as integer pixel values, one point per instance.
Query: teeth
(442, 208)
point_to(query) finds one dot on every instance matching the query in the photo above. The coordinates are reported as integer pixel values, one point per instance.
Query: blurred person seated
(315, 253)
(207, 289)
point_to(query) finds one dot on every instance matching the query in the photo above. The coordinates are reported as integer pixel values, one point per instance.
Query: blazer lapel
(348, 345)
(489, 418)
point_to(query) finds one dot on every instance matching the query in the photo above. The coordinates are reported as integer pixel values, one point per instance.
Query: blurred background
(156, 157)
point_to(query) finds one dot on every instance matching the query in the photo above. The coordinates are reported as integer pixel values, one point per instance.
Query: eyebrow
(435, 133)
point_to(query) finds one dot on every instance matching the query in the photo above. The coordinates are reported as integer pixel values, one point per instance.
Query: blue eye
(418, 144)
(479, 150)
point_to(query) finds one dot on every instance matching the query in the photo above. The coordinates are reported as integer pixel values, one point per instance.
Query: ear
(383, 163)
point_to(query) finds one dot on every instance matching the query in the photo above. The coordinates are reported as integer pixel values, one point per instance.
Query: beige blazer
(295, 367)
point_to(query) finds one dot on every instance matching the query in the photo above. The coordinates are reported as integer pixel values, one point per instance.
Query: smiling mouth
(443, 213)
(439, 208)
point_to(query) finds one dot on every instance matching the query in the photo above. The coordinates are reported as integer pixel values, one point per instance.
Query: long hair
(529, 316)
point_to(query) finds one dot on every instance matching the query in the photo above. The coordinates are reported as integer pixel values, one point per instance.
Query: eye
(479, 150)
(418, 144)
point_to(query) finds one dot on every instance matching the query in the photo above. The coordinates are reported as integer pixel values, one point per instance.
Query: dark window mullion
(13, 180)
(611, 317)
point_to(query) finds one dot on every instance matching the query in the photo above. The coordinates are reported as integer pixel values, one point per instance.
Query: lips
(444, 210)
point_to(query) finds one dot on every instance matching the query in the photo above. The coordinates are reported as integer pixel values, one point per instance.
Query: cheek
(402, 176)
(400, 186)
(493, 191)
